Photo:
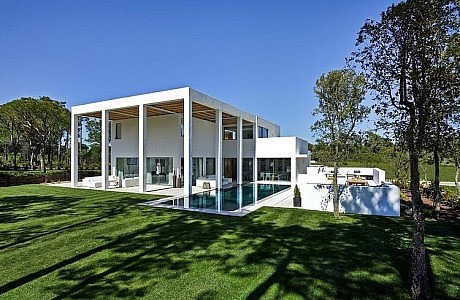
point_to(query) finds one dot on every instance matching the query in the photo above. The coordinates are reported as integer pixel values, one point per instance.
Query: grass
(82, 244)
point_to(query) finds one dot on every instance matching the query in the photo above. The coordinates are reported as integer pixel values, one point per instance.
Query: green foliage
(368, 148)
(93, 127)
(450, 196)
(30, 173)
(91, 157)
(340, 94)
(86, 244)
(35, 125)
(296, 192)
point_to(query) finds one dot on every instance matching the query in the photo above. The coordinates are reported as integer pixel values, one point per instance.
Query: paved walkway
(447, 183)
(281, 199)
(151, 189)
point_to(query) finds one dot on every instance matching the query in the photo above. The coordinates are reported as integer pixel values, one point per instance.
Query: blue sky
(261, 56)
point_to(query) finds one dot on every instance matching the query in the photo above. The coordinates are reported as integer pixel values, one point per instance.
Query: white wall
(164, 140)
(281, 147)
(127, 146)
(367, 200)
(276, 147)
(203, 138)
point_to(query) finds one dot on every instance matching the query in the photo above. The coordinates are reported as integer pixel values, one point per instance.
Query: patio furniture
(130, 182)
(211, 179)
(358, 182)
(96, 181)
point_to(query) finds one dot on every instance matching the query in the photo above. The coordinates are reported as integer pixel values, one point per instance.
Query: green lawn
(66, 243)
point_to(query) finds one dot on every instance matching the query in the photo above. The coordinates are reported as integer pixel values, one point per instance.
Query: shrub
(450, 196)
(296, 192)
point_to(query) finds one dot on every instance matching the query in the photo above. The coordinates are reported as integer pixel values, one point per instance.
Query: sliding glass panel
(127, 167)
(197, 169)
(274, 169)
(248, 132)
(248, 173)
(210, 166)
(160, 170)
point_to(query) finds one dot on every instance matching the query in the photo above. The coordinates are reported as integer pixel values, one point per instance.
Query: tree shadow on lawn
(19, 208)
(53, 214)
(365, 259)
(442, 238)
(368, 258)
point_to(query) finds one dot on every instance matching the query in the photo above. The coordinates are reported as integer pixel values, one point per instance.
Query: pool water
(230, 199)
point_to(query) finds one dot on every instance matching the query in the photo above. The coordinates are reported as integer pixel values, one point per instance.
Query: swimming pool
(230, 199)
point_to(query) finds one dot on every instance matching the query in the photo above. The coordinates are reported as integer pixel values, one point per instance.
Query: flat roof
(164, 103)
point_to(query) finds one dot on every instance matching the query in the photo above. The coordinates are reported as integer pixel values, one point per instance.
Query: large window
(229, 133)
(248, 173)
(160, 170)
(274, 169)
(248, 132)
(197, 169)
(117, 131)
(262, 132)
(210, 166)
(127, 167)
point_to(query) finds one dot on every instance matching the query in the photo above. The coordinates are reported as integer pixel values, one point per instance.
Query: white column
(204, 166)
(105, 149)
(142, 153)
(74, 151)
(219, 149)
(293, 170)
(256, 133)
(239, 150)
(187, 145)
(219, 201)
(240, 197)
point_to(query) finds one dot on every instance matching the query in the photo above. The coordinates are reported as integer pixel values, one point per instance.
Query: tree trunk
(66, 147)
(31, 160)
(437, 189)
(59, 152)
(42, 160)
(419, 287)
(50, 164)
(15, 161)
(457, 174)
(335, 187)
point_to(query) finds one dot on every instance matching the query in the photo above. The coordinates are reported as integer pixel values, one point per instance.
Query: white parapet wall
(369, 200)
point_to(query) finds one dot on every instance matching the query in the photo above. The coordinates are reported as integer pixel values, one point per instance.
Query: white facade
(155, 138)
(292, 148)
(152, 137)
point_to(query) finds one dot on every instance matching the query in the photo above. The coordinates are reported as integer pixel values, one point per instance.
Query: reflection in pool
(230, 199)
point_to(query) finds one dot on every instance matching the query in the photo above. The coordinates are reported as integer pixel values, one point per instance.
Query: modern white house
(184, 138)
(159, 137)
